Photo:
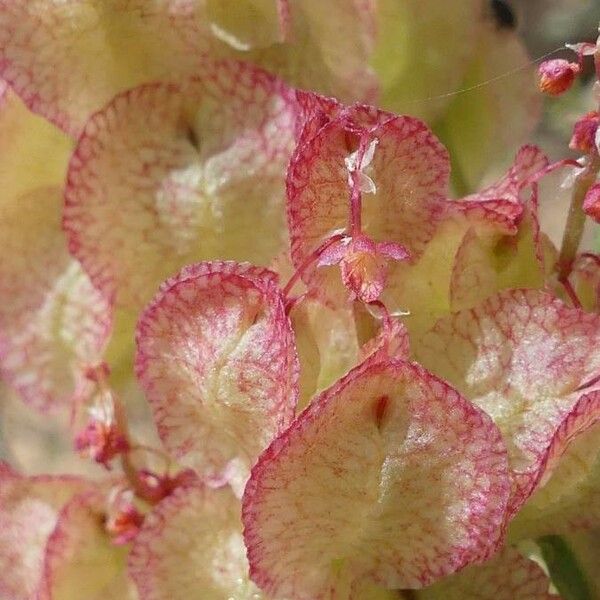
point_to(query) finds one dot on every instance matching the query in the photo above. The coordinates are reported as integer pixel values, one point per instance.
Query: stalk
(576, 218)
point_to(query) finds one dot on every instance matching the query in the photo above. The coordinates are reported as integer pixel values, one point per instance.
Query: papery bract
(53, 323)
(401, 452)
(391, 341)
(66, 58)
(475, 239)
(191, 545)
(520, 356)
(528, 162)
(29, 511)
(327, 343)
(167, 174)
(217, 360)
(507, 576)
(568, 494)
(502, 247)
(80, 559)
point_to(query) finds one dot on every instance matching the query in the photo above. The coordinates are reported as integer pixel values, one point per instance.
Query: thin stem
(576, 218)
(385, 316)
(309, 260)
(355, 217)
(355, 225)
(571, 293)
(155, 451)
(292, 302)
(588, 383)
(567, 162)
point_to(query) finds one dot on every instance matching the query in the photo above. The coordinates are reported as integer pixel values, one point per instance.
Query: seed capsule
(557, 76)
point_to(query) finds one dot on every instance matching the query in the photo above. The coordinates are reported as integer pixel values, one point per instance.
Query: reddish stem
(567, 162)
(588, 383)
(355, 225)
(571, 293)
(309, 260)
(385, 316)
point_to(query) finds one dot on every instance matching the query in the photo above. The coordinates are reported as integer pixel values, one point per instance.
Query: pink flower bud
(156, 487)
(124, 524)
(584, 133)
(97, 373)
(101, 441)
(591, 203)
(557, 76)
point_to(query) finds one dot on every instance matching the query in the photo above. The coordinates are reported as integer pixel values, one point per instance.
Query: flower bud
(97, 373)
(124, 523)
(557, 76)
(101, 439)
(591, 203)
(156, 487)
(584, 133)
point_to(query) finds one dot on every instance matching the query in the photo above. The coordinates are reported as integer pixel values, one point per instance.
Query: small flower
(363, 264)
(557, 76)
(157, 487)
(591, 203)
(584, 133)
(98, 373)
(101, 439)
(124, 522)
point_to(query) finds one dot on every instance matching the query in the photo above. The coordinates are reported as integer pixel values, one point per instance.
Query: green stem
(564, 569)
(576, 218)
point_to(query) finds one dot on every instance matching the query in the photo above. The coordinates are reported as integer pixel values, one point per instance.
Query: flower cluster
(363, 387)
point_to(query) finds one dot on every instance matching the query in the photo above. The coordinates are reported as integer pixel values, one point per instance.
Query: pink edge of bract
(520, 355)
(54, 323)
(585, 414)
(216, 357)
(51, 57)
(528, 162)
(506, 576)
(29, 510)
(392, 341)
(80, 558)
(191, 545)
(501, 205)
(167, 174)
(567, 494)
(358, 486)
